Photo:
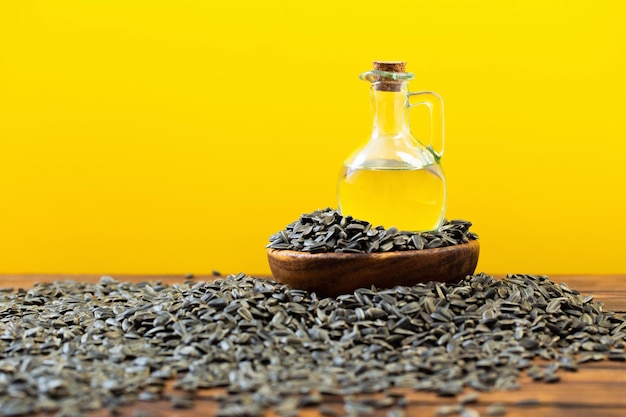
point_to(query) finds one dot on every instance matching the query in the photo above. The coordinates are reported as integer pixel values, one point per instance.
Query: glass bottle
(396, 180)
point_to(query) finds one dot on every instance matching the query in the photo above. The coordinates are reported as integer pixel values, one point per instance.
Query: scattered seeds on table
(270, 346)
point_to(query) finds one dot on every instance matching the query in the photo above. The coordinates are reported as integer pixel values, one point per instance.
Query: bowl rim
(291, 254)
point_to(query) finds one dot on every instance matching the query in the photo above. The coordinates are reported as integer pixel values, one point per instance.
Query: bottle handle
(435, 105)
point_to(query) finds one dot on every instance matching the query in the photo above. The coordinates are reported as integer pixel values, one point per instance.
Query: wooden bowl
(331, 274)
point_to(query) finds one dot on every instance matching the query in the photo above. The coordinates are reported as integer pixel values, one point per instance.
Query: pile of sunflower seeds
(328, 231)
(71, 347)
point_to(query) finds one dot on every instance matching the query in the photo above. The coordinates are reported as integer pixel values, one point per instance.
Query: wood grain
(598, 389)
(331, 274)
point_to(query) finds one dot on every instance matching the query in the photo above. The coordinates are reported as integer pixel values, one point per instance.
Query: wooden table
(597, 389)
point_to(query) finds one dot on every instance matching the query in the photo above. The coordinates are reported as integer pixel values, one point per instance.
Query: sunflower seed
(496, 409)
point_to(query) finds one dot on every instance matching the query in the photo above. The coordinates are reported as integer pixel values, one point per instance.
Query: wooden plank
(156, 409)
(579, 282)
(597, 389)
(591, 283)
(590, 391)
(610, 289)
(605, 284)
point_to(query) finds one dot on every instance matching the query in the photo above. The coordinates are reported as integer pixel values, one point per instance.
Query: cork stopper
(387, 84)
(390, 66)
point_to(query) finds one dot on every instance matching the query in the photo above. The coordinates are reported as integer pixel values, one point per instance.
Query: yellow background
(176, 136)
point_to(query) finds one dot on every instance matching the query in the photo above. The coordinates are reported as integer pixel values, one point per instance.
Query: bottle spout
(387, 75)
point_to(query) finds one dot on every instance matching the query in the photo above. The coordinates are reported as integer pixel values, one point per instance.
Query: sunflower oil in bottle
(395, 180)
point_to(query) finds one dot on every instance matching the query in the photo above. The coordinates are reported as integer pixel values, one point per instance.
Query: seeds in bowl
(328, 231)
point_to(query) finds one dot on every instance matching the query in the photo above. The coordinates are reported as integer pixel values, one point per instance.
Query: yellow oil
(409, 199)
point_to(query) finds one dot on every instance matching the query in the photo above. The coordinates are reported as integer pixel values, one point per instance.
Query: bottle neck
(390, 111)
